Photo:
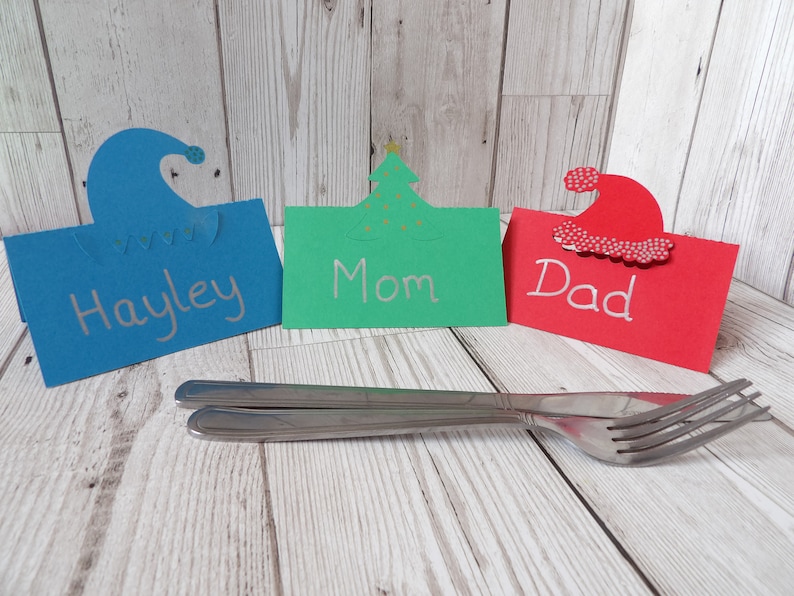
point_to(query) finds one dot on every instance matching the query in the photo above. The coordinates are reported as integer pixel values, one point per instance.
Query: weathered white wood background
(103, 491)
(493, 100)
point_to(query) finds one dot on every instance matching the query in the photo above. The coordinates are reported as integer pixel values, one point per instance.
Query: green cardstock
(392, 261)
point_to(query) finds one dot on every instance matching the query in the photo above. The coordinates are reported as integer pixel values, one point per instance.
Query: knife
(230, 394)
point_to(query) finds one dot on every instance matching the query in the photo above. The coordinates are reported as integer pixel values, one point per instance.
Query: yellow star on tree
(392, 147)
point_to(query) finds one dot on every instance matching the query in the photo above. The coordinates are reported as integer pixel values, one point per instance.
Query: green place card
(393, 260)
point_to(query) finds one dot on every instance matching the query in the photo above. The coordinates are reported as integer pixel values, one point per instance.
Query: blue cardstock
(152, 275)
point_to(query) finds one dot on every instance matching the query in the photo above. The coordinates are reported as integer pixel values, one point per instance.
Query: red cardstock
(666, 305)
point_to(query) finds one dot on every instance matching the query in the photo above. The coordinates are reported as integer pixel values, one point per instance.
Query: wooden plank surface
(561, 62)
(297, 93)
(105, 492)
(667, 529)
(26, 100)
(756, 341)
(119, 66)
(742, 150)
(541, 138)
(11, 327)
(563, 47)
(35, 184)
(478, 511)
(110, 495)
(435, 87)
(660, 89)
(258, 86)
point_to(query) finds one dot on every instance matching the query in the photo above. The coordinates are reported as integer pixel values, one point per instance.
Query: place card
(613, 276)
(151, 275)
(393, 260)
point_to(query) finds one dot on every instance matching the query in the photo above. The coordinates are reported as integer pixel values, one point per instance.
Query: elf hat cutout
(624, 223)
(132, 206)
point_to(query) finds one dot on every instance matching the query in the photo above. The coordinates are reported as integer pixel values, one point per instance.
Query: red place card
(612, 276)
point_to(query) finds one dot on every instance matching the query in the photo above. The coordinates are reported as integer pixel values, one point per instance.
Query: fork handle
(301, 424)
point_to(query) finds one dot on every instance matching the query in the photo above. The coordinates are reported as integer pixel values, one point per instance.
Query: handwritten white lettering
(418, 281)
(392, 279)
(235, 292)
(97, 309)
(167, 310)
(133, 316)
(361, 266)
(126, 314)
(592, 305)
(196, 290)
(548, 291)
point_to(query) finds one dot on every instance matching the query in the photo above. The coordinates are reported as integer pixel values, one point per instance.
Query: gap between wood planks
(493, 380)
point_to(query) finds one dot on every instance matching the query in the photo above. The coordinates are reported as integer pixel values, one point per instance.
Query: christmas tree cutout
(393, 209)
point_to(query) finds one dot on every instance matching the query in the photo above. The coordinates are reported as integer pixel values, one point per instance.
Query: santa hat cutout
(624, 223)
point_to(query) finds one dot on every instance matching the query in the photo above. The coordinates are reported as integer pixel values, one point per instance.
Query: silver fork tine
(725, 390)
(657, 454)
(660, 438)
(641, 430)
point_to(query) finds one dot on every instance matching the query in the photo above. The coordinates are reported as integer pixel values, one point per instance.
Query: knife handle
(302, 424)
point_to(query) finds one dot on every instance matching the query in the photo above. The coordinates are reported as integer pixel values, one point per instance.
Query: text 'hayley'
(127, 314)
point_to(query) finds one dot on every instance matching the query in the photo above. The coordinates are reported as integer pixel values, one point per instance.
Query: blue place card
(152, 275)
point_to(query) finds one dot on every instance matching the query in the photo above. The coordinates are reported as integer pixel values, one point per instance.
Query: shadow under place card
(152, 275)
(393, 260)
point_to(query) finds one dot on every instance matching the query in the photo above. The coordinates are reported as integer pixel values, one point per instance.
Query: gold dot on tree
(404, 227)
(377, 194)
(413, 205)
(385, 221)
(367, 228)
(396, 168)
(419, 222)
(398, 195)
(385, 173)
(386, 206)
(366, 206)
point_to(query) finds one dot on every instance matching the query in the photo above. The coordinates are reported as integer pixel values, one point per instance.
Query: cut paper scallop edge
(624, 223)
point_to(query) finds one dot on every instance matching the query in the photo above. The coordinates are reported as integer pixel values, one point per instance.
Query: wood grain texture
(110, 494)
(541, 138)
(35, 184)
(756, 340)
(435, 84)
(118, 66)
(107, 493)
(660, 89)
(26, 100)
(672, 518)
(736, 186)
(563, 47)
(297, 89)
(665, 528)
(11, 327)
(103, 491)
(460, 512)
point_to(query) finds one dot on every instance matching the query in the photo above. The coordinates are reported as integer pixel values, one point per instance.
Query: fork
(641, 439)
